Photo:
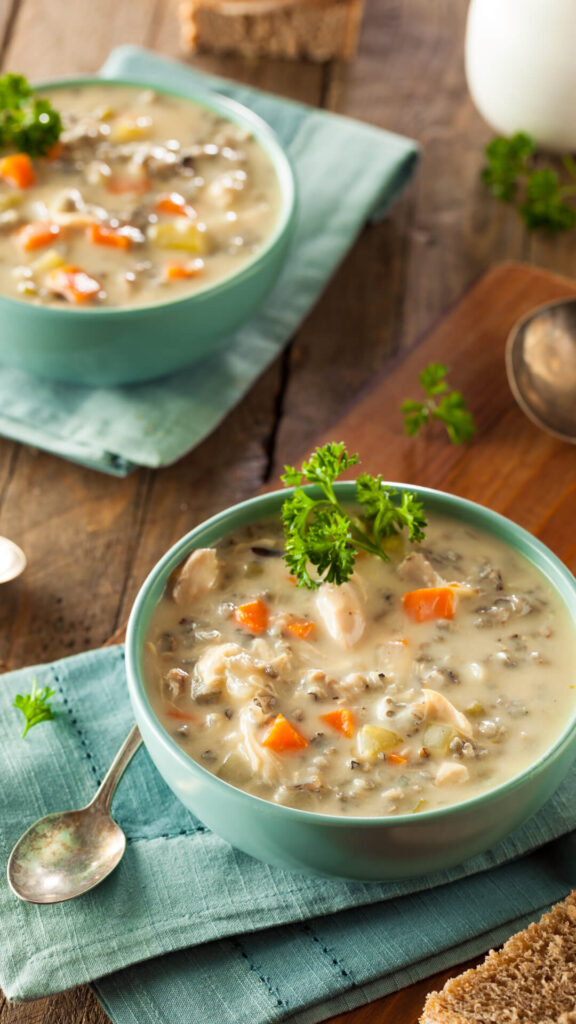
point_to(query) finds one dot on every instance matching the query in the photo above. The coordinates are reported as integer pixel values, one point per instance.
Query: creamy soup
(419, 683)
(145, 198)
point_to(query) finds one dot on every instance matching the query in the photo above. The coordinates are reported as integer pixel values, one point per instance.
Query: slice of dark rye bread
(531, 980)
(318, 30)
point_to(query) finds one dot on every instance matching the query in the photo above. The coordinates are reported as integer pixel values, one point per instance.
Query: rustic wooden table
(91, 539)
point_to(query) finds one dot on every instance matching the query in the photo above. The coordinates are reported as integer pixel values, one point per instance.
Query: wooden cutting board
(511, 466)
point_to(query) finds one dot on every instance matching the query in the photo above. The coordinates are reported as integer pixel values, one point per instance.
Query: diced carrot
(301, 628)
(18, 170)
(74, 284)
(342, 720)
(252, 616)
(37, 234)
(118, 186)
(396, 759)
(55, 151)
(430, 603)
(101, 234)
(178, 271)
(173, 202)
(181, 716)
(283, 736)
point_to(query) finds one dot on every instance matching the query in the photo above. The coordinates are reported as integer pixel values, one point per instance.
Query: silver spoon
(541, 367)
(12, 560)
(64, 855)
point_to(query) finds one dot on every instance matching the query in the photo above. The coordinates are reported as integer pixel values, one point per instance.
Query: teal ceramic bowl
(111, 346)
(373, 849)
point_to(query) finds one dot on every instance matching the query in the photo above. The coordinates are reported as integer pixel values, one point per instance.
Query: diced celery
(393, 543)
(235, 769)
(178, 234)
(131, 129)
(27, 287)
(253, 569)
(475, 709)
(104, 113)
(374, 740)
(47, 261)
(8, 200)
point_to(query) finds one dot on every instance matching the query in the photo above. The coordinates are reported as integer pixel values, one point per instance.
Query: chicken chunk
(210, 670)
(225, 189)
(342, 611)
(450, 772)
(353, 684)
(317, 684)
(228, 666)
(277, 657)
(264, 762)
(175, 683)
(435, 707)
(395, 659)
(417, 570)
(198, 575)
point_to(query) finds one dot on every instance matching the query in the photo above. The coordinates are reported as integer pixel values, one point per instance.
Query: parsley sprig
(321, 533)
(27, 123)
(440, 404)
(542, 199)
(34, 706)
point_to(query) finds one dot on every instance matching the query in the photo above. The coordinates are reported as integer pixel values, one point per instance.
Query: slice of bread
(318, 30)
(531, 980)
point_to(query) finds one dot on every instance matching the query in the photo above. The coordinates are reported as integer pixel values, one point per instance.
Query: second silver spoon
(541, 367)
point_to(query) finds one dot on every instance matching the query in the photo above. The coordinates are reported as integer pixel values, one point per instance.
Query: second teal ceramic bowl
(367, 849)
(111, 346)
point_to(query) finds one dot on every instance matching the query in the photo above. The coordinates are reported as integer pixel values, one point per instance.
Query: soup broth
(146, 198)
(421, 682)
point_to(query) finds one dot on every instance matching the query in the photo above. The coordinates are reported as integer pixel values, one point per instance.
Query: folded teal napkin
(243, 941)
(347, 172)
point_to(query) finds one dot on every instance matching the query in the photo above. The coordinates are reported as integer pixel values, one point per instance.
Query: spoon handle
(105, 792)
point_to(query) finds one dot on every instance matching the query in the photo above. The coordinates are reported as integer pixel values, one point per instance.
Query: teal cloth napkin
(243, 942)
(347, 173)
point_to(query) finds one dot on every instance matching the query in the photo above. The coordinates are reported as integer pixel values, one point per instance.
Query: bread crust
(319, 30)
(531, 980)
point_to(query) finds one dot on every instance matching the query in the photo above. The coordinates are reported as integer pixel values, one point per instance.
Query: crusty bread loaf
(531, 980)
(319, 30)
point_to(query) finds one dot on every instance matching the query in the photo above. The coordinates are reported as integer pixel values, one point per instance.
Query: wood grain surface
(91, 539)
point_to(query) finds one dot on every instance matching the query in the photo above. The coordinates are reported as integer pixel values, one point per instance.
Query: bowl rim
(236, 112)
(521, 540)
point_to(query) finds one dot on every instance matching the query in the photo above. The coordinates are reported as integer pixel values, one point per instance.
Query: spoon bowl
(66, 854)
(541, 367)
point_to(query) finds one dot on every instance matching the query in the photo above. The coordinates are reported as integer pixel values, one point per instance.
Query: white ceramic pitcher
(521, 68)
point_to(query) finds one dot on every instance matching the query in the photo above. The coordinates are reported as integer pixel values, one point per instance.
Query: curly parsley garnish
(34, 706)
(28, 124)
(541, 198)
(319, 532)
(450, 408)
